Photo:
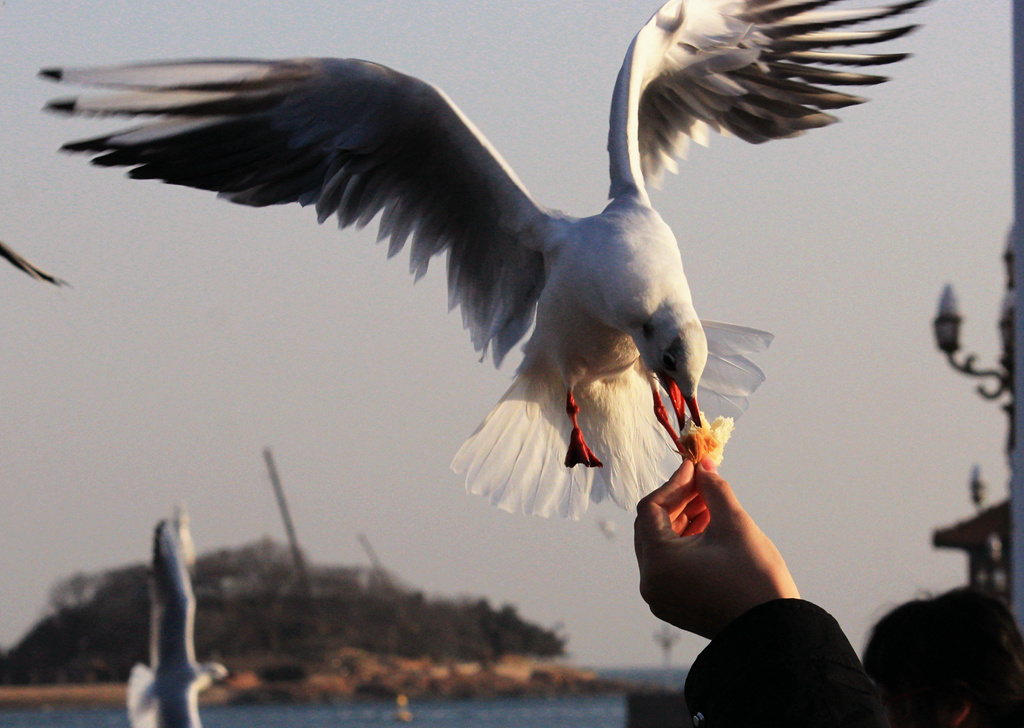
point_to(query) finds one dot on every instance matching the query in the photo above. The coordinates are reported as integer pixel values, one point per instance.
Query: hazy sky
(197, 332)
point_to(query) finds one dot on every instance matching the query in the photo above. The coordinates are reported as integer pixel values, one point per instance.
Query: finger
(695, 506)
(709, 465)
(686, 503)
(669, 492)
(658, 514)
(680, 500)
(723, 505)
(652, 521)
(697, 524)
(677, 492)
(682, 523)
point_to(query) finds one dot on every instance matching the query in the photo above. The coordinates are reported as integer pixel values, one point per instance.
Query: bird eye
(668, 361)
(647, 330)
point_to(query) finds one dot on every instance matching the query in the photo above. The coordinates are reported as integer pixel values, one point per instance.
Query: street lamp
(947, 324)
(947, 337)
(977, 487)
(986, 537)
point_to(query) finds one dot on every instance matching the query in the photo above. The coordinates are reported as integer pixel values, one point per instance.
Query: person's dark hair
(961, 643)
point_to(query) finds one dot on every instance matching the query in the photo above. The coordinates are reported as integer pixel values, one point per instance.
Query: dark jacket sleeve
(783, 663)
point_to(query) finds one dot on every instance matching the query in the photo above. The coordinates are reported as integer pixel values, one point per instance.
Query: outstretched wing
(20, 263)
(173, 605)
(759, 69)
(352, 138)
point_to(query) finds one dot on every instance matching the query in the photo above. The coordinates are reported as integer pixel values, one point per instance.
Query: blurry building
(986, 540)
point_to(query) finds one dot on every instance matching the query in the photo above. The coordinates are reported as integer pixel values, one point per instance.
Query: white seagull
(614, 326)
(166, 694)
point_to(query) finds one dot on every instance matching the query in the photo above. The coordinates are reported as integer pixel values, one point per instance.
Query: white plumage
(611, 310)
(166, 693)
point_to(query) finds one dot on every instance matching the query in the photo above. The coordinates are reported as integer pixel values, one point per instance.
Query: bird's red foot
(579, 452)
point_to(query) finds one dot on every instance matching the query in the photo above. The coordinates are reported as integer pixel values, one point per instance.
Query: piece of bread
(706, 441)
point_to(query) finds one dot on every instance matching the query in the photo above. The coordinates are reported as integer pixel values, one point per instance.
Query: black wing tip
(52, 279)
(93, 144)
(28, 268)
(909, 5)
(158, 535)
(62, 106)
(908, 29)
(72, 147)
(54, 74)
(163, 547)
(41, 275)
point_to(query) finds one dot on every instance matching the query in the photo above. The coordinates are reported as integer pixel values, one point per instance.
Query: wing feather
(173, 605)
(752, 68)
(729, 376)
(352, 138)
(12, 257)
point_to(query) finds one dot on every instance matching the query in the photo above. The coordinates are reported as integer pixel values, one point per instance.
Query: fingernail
(709, 465)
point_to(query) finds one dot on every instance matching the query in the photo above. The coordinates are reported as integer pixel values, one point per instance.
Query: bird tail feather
(515, 458)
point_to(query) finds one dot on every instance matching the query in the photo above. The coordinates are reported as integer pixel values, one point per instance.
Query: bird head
(673, 346)
(210, 673)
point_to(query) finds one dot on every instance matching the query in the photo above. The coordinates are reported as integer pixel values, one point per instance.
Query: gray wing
(173, 605)
(729, 375)
(352, 138)
(759, 69)
(21, 264)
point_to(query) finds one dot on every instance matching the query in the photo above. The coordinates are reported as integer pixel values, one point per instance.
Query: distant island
(338, 632)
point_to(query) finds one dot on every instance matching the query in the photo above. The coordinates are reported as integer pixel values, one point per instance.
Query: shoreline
(378, 680)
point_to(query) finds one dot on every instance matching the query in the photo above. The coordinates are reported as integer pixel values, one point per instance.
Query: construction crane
(379, 573)
(293, 541)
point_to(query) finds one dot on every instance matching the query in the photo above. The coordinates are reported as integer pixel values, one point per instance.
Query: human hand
(703, 561)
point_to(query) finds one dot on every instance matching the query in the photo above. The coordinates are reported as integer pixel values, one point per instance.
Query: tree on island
(249, 607)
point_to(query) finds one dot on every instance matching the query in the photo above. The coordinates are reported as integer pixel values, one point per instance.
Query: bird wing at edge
(173, 609)
(352, 138)
(23, 265)
(758, 69)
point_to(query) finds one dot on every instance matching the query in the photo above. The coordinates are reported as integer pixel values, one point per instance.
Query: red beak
(678, 399)
(691, 404)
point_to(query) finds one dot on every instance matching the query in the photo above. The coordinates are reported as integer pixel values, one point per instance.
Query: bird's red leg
(579, 453)
(662, 414)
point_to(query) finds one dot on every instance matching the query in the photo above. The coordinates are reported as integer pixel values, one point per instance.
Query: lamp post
(666, 638)
(1017, 454)
(999, 384)
(989, 557)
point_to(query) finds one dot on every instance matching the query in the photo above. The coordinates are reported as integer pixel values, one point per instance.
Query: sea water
(604, 711)
(577, 712)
